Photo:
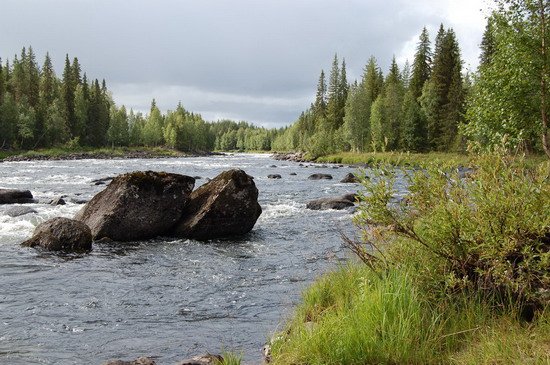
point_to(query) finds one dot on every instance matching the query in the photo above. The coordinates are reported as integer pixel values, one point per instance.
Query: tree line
(40, 110)
(434, 105)
(418, 108)
(431, 105)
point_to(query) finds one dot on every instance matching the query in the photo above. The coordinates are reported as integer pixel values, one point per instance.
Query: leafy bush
(485, 230)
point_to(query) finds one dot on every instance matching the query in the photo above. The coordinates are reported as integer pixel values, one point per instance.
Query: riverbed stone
(138, 361)
(225, 206)
(207, 359)
(338, 203)
(320, 177)
(57, 201)
(19, 211)
(137, 205)
(14, 196)
(350, 179)
(61, 234)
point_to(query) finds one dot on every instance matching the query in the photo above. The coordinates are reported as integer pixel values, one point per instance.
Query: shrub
(485, 230)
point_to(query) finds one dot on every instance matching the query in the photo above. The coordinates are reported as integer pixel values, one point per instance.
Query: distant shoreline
(101, 154)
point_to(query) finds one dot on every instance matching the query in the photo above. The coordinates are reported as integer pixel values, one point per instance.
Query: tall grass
(456, 264)
(355, 316)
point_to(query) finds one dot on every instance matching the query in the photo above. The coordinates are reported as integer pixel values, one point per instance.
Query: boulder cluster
(142, 205)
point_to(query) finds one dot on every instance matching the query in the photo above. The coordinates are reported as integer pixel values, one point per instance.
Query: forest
(432, 104)
(40, 110)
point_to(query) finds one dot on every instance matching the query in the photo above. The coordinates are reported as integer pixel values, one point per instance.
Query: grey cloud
(271, 49)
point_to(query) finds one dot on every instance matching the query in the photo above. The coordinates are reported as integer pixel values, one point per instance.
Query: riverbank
(397, 159)
(457, 273)
(61, 153)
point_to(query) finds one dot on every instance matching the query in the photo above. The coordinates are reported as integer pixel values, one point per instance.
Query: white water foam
(280, 209)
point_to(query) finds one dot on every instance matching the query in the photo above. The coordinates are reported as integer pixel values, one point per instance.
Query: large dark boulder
(320, 177)
(61, 234)
(225, 206)
(137, 205)
(13, 196)
(338, 203)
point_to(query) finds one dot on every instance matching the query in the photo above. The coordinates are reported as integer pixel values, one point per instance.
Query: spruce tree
(413, 136)
(68, 88)
(320, 105)
(334, 96)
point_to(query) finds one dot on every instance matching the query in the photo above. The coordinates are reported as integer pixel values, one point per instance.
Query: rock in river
(338, 203)
(274, 176)
(19, 211)
(137, 205)
(225, 206)
(320, 177)
(61, 234)
(139, 361)
(350, 179)
(13, 196)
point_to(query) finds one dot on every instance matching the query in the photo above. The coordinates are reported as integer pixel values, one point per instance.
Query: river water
(166, 298)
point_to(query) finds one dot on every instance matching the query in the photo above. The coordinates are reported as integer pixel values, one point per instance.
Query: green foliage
(353, 316)
(485, 233)
(510, 97)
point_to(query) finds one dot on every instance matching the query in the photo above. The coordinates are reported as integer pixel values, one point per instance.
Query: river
(166, 298)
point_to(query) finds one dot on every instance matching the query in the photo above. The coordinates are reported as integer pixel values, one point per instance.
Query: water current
(166, 298)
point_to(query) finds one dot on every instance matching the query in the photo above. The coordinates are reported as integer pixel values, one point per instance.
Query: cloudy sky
(254, 60)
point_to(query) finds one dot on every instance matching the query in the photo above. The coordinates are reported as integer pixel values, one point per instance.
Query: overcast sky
(253, 60)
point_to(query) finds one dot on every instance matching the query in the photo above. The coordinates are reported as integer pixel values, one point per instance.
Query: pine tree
(320, 106)
(68, 88)
(334, 97)
(32, 79)
(443, 114)
(2, 83)
(414, 121)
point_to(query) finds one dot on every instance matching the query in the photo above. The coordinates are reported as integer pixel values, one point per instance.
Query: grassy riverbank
(457, 272)
(409, 159)
(61, 153)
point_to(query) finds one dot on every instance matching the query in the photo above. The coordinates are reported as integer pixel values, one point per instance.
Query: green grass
(405, 159)
(396, 158)
(459, 268)
(61, 152)
(354, 316)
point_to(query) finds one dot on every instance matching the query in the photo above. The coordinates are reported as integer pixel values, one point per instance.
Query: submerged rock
(14, 196)
(338, 203)
(274, 176)
(61, 234)
(57, 201)
(225, 206)
(350, 179)
(139, 361)
(19, 211)
(207, 359)
(320, 177)
(137, 205)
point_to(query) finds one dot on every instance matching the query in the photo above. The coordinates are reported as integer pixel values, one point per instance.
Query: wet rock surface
(61, 234)
(320, 177)
(225, 206)
(19, 211)
(14, 196)
(138, 205)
